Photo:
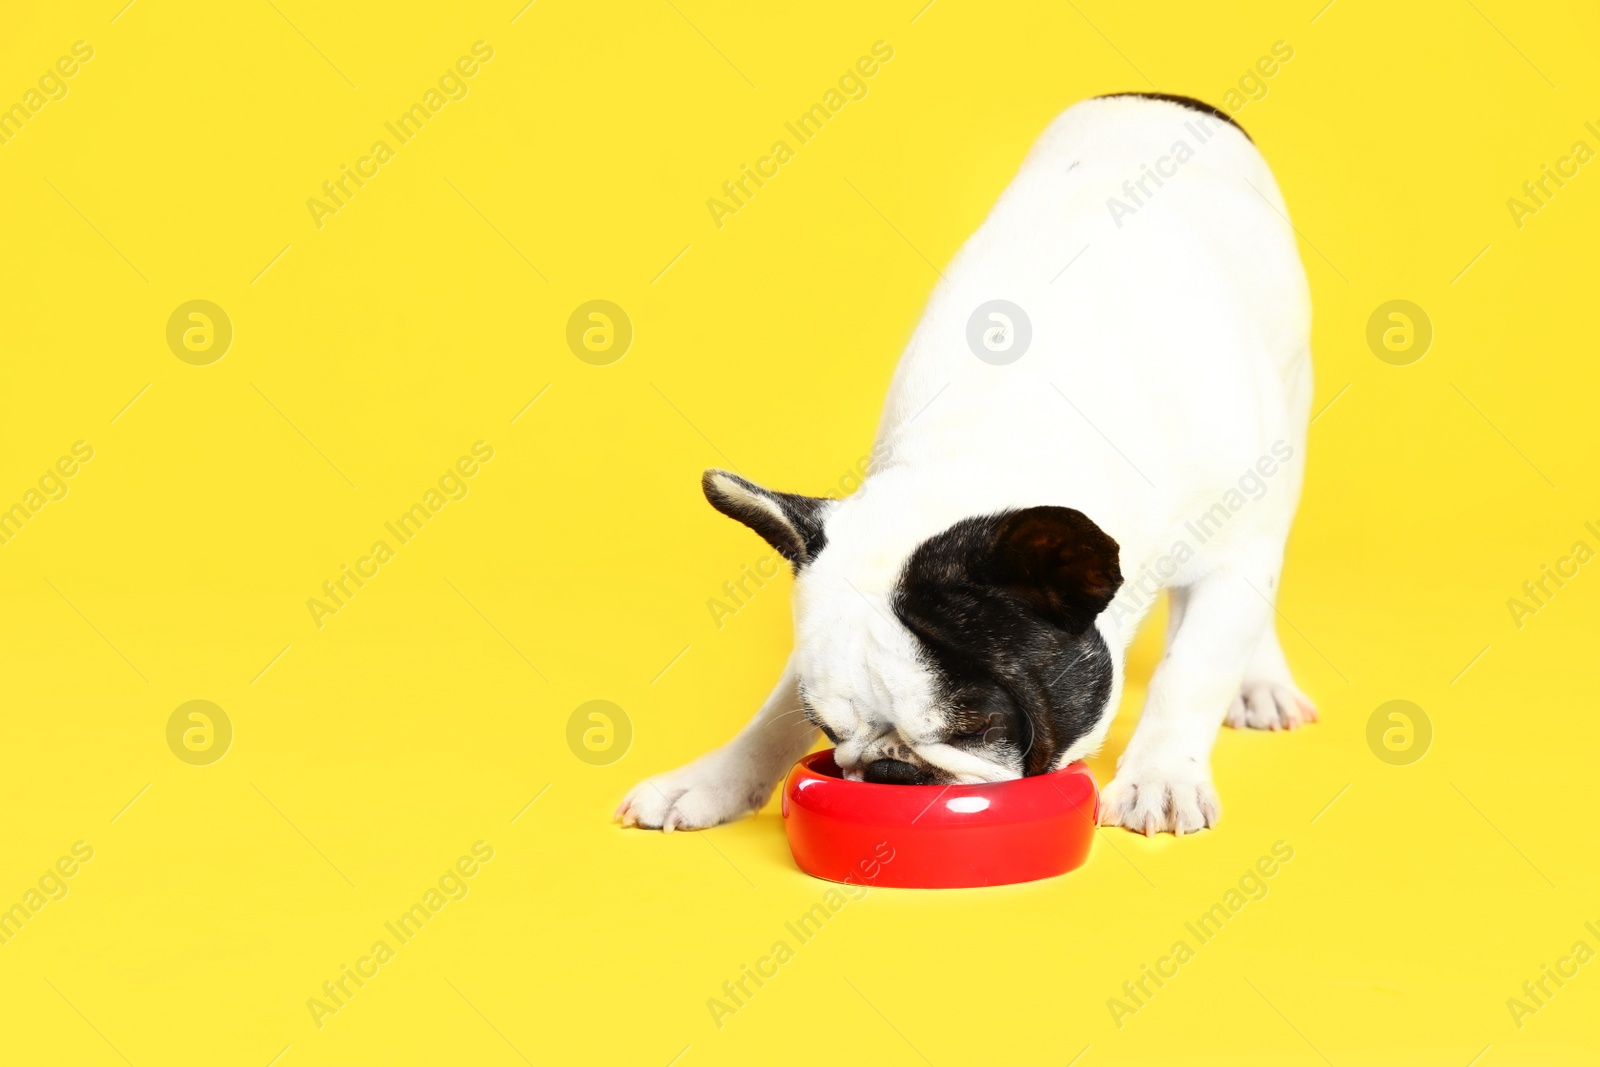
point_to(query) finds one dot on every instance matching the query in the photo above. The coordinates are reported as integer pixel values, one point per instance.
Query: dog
(1106, 397)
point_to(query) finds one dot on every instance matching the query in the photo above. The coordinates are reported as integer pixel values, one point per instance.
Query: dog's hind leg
(1268, 699)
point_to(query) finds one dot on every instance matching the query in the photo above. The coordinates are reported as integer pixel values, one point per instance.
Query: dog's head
(974, 657)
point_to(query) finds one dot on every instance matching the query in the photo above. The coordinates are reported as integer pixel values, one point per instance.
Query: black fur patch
(1003, 606)
(1189, 102)
(798, 536)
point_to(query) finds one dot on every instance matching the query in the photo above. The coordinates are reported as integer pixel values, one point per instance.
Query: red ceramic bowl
(937, 836)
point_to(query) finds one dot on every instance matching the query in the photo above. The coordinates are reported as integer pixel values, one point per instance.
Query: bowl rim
(807, 767)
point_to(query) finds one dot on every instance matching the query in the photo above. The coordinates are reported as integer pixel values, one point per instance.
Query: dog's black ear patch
(788, 522)
(1003, 607)
(1057, 561)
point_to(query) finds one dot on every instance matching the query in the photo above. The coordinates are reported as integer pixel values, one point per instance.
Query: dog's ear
(790, 523)
(1057, 561)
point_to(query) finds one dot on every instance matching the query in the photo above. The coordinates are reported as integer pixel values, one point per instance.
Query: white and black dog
(1112, 379)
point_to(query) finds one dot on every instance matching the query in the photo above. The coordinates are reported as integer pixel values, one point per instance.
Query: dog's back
(1150, 251)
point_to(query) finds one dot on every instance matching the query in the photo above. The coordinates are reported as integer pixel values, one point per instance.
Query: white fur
(1164, 363)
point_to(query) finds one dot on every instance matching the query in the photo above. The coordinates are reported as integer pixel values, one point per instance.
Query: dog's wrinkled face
(974, 660)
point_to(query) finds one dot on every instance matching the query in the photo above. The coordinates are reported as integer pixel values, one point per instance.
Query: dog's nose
(895, 772)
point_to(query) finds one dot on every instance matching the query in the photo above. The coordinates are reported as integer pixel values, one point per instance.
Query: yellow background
(428, 712)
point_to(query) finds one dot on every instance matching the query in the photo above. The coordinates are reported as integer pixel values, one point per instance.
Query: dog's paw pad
(1153, 801)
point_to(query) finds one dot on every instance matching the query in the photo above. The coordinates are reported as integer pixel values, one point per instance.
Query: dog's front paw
(704, 793)
(1161, 799)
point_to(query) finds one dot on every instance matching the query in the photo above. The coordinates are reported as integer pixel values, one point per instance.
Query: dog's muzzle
(897, 772)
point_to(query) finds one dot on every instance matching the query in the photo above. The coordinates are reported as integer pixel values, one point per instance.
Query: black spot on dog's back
(1189, 102)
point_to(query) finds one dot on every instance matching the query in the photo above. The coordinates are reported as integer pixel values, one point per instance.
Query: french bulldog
(1106, 397)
